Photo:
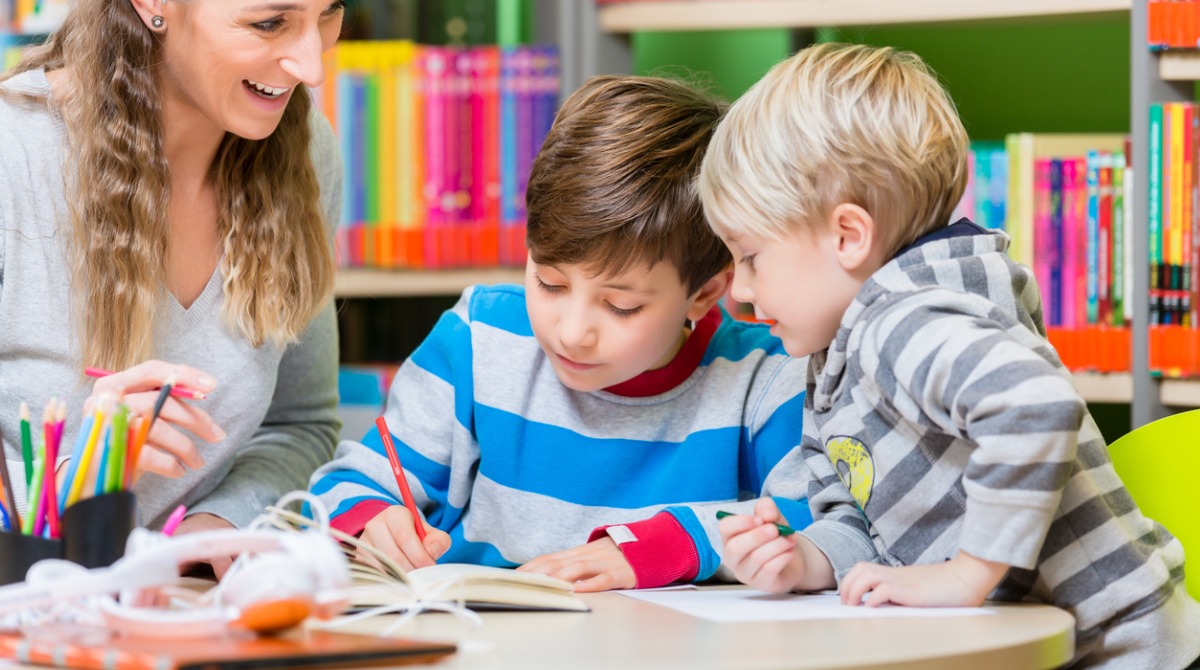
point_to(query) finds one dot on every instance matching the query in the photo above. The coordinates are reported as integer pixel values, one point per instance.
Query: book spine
(1104, 256)
(1080, 215)
(1118, 236)
(999, 188)
(508, 149)
(1042, 233)
(1175, 213)
(1054, 246)
(434, 69)
(1185, 216)
(1092, 240)
(1154, 223)
(1193, 274)
(387, 131)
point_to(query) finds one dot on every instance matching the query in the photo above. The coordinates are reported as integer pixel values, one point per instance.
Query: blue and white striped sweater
(524, 466)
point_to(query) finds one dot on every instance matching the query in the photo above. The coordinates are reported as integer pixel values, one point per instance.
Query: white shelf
(1179, 65)
(1181, 392)
(1111, 388)
(407, 283)
(640, 15)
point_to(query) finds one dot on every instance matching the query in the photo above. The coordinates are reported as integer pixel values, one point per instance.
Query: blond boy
(951, 458)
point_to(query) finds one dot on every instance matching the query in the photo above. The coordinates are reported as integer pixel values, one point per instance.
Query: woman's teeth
(267, 91)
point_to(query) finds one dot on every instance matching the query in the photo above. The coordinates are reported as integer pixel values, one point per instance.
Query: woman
(166, 192)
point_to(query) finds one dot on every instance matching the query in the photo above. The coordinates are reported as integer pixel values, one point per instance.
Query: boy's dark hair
(613, 187)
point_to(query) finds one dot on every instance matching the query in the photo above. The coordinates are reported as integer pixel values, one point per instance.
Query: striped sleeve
(939, 358)
(429, 411)
(839, 528)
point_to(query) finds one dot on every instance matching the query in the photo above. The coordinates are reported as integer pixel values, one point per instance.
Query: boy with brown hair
(588, 425)
(951, 458)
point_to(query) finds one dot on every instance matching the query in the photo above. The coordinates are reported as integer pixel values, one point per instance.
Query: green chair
(1160, 465)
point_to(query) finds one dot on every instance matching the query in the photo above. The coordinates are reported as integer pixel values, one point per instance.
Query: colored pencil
(173, 521)
(26, 446)
(33, 497)
(177, 390)
(114, 474)
(85, 459)
(51, 485)
(85, 430)
(14, 516)
(105, 454)
(401, 480)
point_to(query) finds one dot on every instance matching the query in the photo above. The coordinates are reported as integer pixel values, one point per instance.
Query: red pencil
(401, 480)
(179, 391)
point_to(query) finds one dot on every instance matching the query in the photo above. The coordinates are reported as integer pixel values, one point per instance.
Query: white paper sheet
(751, 605)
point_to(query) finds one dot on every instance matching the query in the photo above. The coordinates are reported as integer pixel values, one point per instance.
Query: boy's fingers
(601, 582)
(400, 524)
(378, 535)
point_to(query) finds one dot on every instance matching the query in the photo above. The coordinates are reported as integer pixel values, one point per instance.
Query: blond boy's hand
(758, 555)
(963, 581)
(392, 532)
(595, 566)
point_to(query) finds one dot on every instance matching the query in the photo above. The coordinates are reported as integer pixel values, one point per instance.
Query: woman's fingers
(151, 375)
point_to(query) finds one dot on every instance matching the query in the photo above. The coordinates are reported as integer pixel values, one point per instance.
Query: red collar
(685, 362)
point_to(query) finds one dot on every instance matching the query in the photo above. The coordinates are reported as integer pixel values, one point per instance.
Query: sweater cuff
(658, 549)
(354, 520)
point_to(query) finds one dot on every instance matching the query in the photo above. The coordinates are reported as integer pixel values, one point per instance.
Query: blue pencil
(104, 451)
(76, 454)
(4, 518)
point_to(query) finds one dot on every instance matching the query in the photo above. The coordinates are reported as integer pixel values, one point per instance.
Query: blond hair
(614, 183)
(838, 123)
(277, 261)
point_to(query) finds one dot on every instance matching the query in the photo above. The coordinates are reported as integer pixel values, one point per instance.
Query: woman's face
(236, 63)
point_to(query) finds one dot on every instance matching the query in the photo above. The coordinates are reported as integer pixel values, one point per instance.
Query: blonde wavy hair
(277, 261)
(833, 124)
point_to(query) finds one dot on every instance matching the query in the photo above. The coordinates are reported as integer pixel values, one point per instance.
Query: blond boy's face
(797, 282)
(601, 331)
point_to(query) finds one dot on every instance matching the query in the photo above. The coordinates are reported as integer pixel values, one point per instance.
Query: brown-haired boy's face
(601, 331)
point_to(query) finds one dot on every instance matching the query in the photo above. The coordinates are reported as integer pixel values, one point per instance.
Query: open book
(476, 586)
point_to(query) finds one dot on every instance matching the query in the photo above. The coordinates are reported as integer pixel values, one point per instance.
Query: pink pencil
(178, 390)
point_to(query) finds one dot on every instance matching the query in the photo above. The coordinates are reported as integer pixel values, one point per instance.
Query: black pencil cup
(94, 530)
(18, 552)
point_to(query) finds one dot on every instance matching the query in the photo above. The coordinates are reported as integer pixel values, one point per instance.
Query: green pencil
(783, 530)
(26, 446)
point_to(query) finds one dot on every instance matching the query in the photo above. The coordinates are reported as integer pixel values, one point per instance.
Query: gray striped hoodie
(941, 419)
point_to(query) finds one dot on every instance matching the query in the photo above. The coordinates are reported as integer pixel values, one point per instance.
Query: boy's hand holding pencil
(157, 389)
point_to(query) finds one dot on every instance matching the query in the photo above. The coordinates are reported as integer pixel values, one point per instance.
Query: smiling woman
(166, 200)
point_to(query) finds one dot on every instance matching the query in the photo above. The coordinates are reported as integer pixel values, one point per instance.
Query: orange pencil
(401, 480)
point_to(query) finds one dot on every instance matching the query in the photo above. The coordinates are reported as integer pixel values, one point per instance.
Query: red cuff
(353, 520)
(662, 552)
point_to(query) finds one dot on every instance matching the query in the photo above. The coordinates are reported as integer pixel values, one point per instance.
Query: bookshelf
(1179, 65)
(359, 283)
(1165, 77)
(727, 14)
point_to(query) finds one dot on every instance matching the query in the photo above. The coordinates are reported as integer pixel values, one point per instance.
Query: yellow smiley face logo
(854, 467)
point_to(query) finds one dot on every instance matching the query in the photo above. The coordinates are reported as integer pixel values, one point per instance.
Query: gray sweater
(940, 419)
(278, 406)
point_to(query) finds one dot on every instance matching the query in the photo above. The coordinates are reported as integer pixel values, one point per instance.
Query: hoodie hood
(962, 258)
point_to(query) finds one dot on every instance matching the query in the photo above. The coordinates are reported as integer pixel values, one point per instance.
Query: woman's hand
(167, 452)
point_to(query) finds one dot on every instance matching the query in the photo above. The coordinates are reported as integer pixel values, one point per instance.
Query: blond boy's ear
(856, 238)
(708, 294)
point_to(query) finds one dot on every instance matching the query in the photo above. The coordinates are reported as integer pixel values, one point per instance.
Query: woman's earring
(156, 21)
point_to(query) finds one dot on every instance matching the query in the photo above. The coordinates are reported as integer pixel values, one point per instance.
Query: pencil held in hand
(401, 480)
(783, 530)
(176, 390)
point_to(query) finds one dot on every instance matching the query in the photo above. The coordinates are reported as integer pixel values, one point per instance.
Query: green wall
(1046, 76)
